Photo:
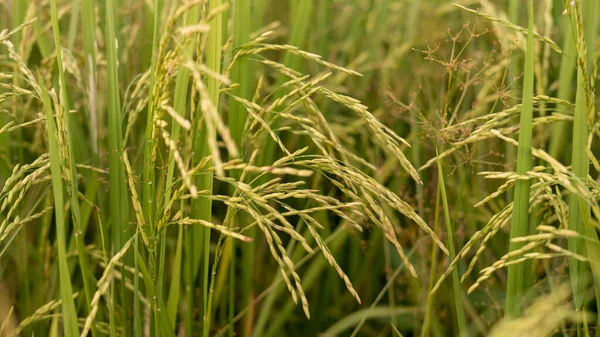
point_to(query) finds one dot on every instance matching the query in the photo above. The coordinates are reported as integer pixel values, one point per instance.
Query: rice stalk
(579, 211)
(242, 73)
(66, 289)
(567, 70)
(118, 201)
(460, 313)
(520, 217)
(202, 208)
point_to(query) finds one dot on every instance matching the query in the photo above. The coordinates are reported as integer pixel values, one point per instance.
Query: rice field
(264, 168)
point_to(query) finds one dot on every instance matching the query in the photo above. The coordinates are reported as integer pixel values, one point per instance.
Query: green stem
(202, 207)
(460, 312)
(118, 195)
(242, 73)
(69, 314)
(565, 91)
(432, 273)
(579, 210)
(179, 105)
(520, 218)
(74, 187)
(301, 20)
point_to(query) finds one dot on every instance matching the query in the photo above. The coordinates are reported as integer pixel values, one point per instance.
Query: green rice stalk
(565, 91)
(300, 24)
(323, 29)
(73, 23)
(411, 20)
(66, 290)
(202, 207)
(591, 38)
(514, 72)
(17, 18)
(258, 14)
(174, 290)
(460, 312)
(178, 115)
(377, 30)
(137, 323)
(179, 105)
(579, 210)
(72, 170)
(88, 8)
(117, 173)
(149, 185)
(240, 72)
(243, 74)
(43, 41)
(118, 199)
(425, 330)
(520, 218)
(158, 309)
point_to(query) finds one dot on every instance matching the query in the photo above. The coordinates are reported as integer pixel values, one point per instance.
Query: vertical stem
(179, 104)
(412, 17)
(460, 312)
(72, 169)
(242, 73)
(258, 14)
(149, 183)
(520, 218)
(17, 16)
(432, 273)
(202, 207)
(73, 24)
(137, 324)
(301, 19)
(579, 210)
(565, 91)
(513, 72)
(118, 199)
(88, 8)
(66, 290)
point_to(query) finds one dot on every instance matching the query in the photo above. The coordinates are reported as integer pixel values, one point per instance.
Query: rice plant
(299, 168)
